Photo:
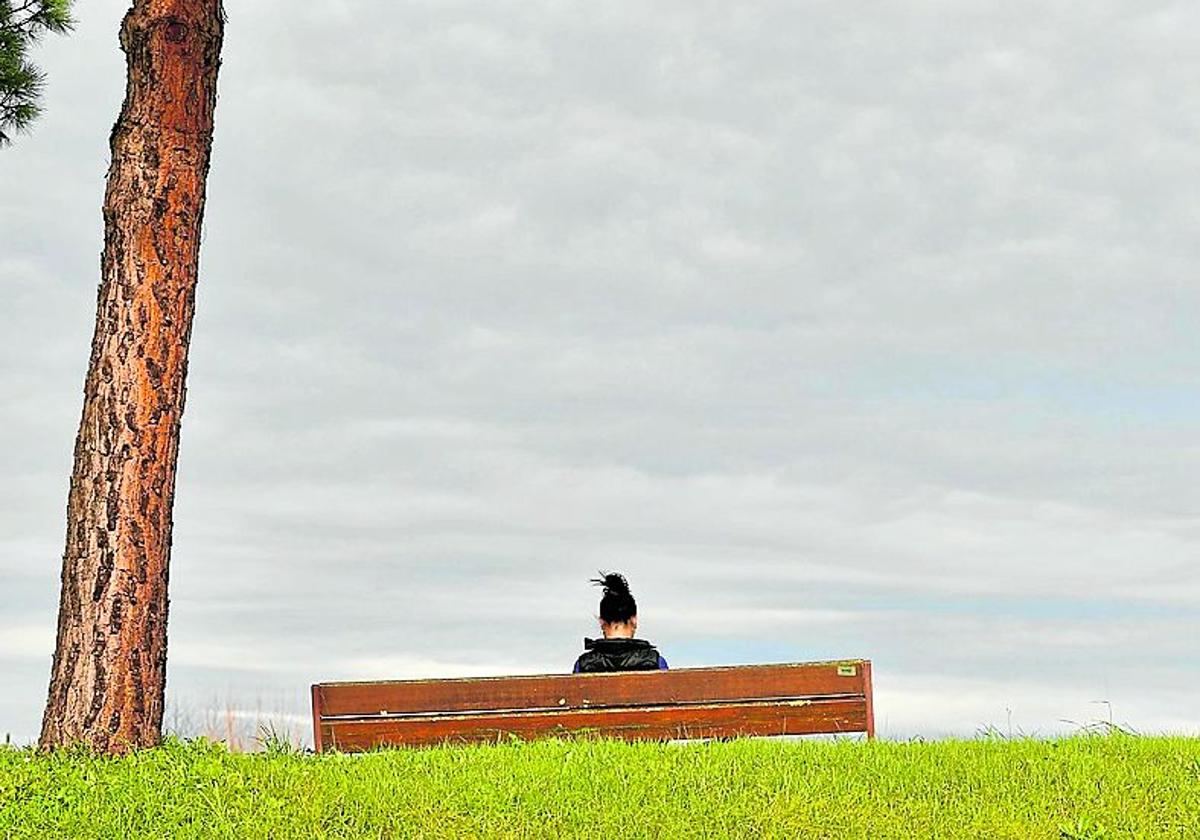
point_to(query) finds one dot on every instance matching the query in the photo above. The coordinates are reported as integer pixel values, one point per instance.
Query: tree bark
(109, 674)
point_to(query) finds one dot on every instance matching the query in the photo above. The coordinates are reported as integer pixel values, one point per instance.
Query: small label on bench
(847, 670)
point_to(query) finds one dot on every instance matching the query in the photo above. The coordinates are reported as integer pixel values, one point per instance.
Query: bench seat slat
(469, 714)
(717, 720)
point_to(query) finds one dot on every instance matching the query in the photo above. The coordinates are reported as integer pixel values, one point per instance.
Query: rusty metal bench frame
(788, 699)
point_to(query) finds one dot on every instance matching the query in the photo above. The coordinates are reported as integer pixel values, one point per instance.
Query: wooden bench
(793, 699)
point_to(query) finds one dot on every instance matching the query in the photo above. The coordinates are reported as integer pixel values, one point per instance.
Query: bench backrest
(791, 699)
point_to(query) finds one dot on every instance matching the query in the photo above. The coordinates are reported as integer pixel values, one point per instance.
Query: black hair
(617, 606)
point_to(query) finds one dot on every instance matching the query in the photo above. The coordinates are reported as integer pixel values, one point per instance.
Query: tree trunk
(109, 673)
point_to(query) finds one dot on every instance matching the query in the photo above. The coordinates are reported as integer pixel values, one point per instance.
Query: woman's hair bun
(617, 605)
(614, 583)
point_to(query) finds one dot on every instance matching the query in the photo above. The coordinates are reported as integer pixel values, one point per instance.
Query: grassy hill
(1083, 787)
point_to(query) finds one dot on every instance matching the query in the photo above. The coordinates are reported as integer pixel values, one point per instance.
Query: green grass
(1085, 787)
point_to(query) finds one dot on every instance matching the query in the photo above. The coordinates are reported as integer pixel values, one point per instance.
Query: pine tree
(109, 674)
(22, 22)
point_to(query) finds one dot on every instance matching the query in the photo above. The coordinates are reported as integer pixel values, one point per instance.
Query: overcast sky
(841, 330)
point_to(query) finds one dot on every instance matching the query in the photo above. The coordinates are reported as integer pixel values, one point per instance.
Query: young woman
(618, 650)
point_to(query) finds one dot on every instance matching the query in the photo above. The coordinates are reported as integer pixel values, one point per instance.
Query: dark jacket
(618, 655)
